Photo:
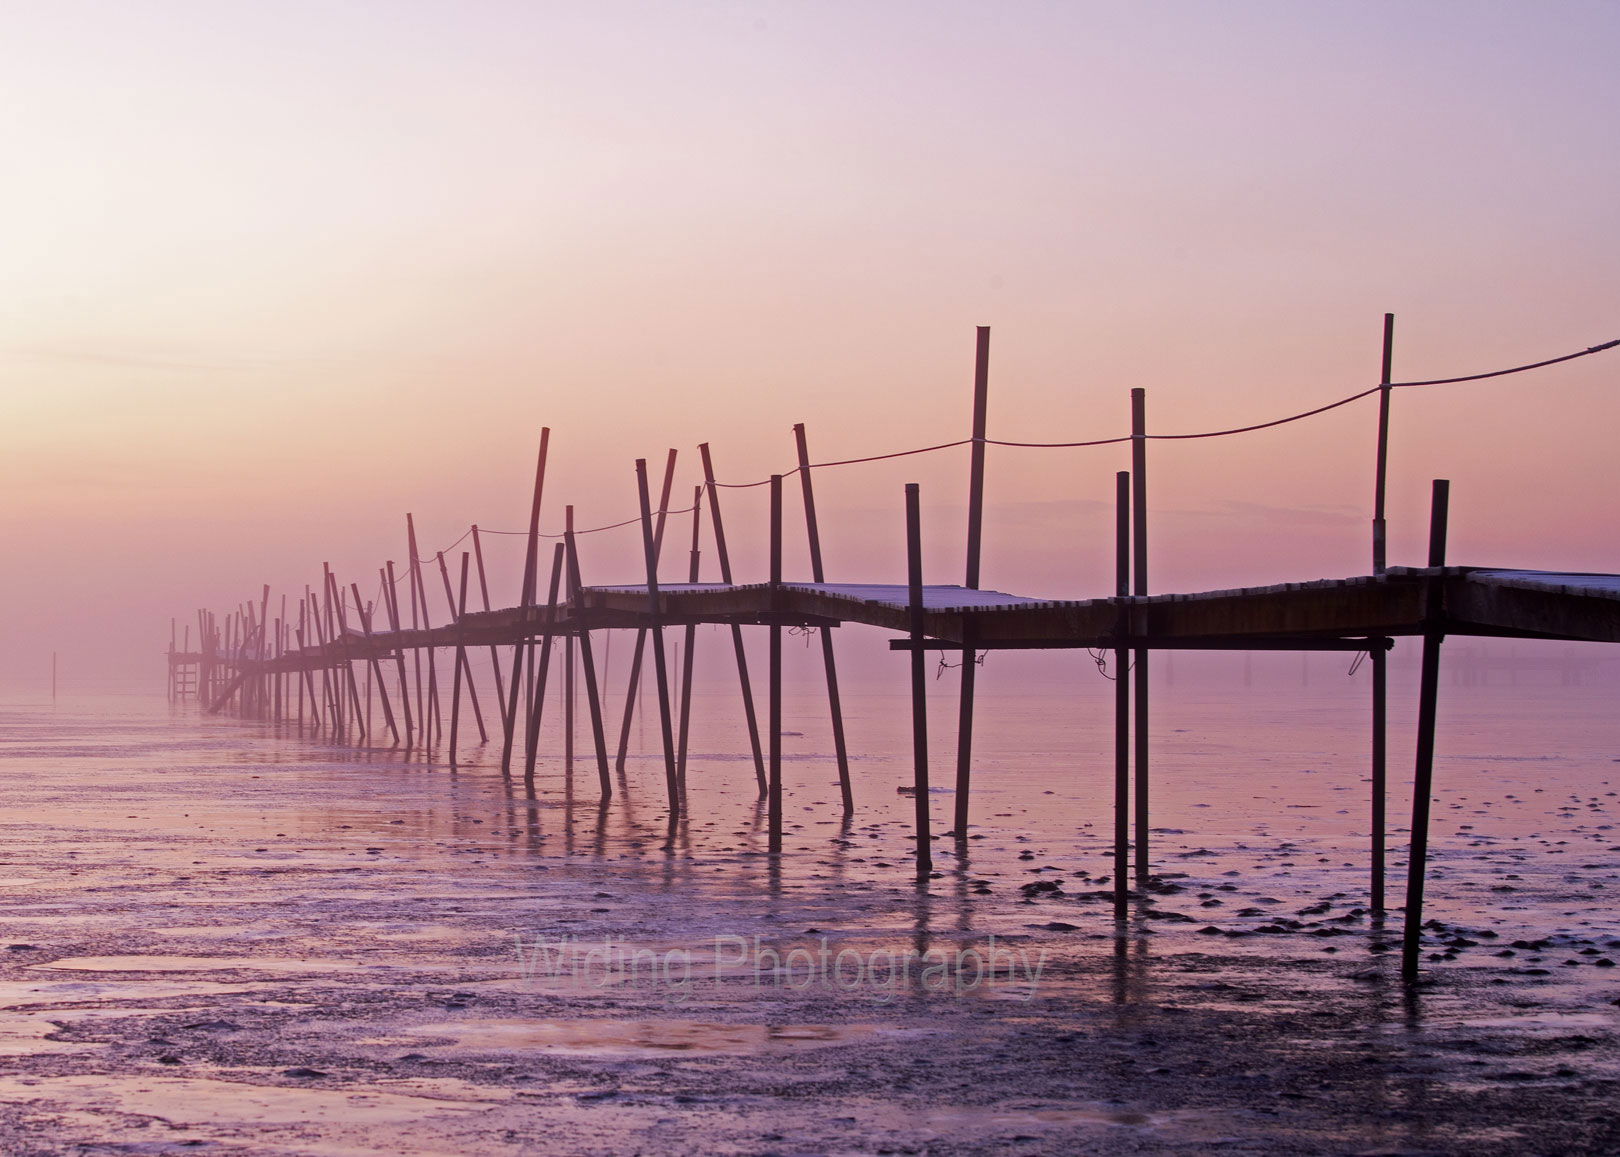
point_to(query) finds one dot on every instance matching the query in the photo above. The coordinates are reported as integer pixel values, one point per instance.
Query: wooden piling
(692, 572)
(1423, 770)
(1122, 699)
(531, 563)
(1381, 462)
(975, 539)
(458, 607)
(391, 602)
(828, 662)
(494, 653)
(1139, 658)
(774, 696)
(919, 678)
(549, 626)
(633, 683)
(1379, 655)
(376, 664)
(656, 631)
(587, 664)
(723, 557)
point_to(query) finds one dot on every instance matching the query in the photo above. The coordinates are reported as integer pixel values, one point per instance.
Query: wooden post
(692, 572)
(458, 607)
(975, 538)
(1428, 699)
(568, 672)
(494, 653)
(532, 750)
(919, 677)
(724, 558)
(654, 616)
(774, 698)
(1140, 587)
(343, 650)
(587, 663)
(1381, 463)
(432, 719)
(829, 664)
(531, 564)
(633, 684)
(391, 602)
(376, 666)
(1122, 699)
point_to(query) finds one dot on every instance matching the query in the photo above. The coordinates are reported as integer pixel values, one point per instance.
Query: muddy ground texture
(204, 958)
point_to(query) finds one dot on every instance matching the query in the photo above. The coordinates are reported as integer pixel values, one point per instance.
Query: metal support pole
(724, 559)
(1139, 659)
(1428, 698)
(919, 677)
(829, 663)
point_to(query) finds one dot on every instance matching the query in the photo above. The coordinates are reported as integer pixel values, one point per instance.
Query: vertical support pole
(649, 545)
(724, 558)
(1428, 698)
(692, 572)
(531, 563)
(975, 537)
(818, 573)
(342, 640)
(432, 720)
(1379, 658)
(568, 666)
(586, 661)
(1139, 659)
(1122, 699)
(458, 607)
(919, 677)
(774, 695)
(1381, 463)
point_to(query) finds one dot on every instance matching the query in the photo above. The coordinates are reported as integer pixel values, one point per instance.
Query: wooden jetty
(311, 666)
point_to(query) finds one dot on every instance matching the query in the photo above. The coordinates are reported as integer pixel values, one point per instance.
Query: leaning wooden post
(432, 718)
(549, 624)
(1139, 659)
(1428, 698)
(494, 653)
(654, 628)
(723, 557)
(633, 684)
(568, 670)
(919, 676)
(587, 662)
(774, 697)
(376, 665)
(458, 607)
(1122, 698)
(692, 572)
(829, 664)
(391, 603)
(343, 650)
(975, 538)
(531, 563)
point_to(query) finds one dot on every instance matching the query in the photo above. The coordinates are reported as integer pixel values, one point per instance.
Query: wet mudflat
(222, 937)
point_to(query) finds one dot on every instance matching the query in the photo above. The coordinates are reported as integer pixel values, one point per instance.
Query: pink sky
(276, 274)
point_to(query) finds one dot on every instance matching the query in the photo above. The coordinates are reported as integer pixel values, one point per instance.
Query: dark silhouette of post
(1139, 657)
(1122, 698)
(774, 699)
(531, 751)
(723, 557)
(1379, 656)
(975, 539)
(391, 602)
(1428, 699)
(586, 661)
(531, 565)
(458, 607)
(376, 665)
(692, 571)
(655, 629)
(633, 685)
(829, 663)
(919, 677)
(494, 653)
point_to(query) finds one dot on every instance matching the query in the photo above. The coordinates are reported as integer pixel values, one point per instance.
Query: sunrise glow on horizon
(278, 274)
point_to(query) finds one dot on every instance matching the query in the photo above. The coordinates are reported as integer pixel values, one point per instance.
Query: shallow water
(196, 913)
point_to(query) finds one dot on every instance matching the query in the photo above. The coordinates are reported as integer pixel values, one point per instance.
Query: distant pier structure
(397, 670)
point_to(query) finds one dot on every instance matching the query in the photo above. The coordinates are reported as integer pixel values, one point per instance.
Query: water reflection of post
(1428, 696)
